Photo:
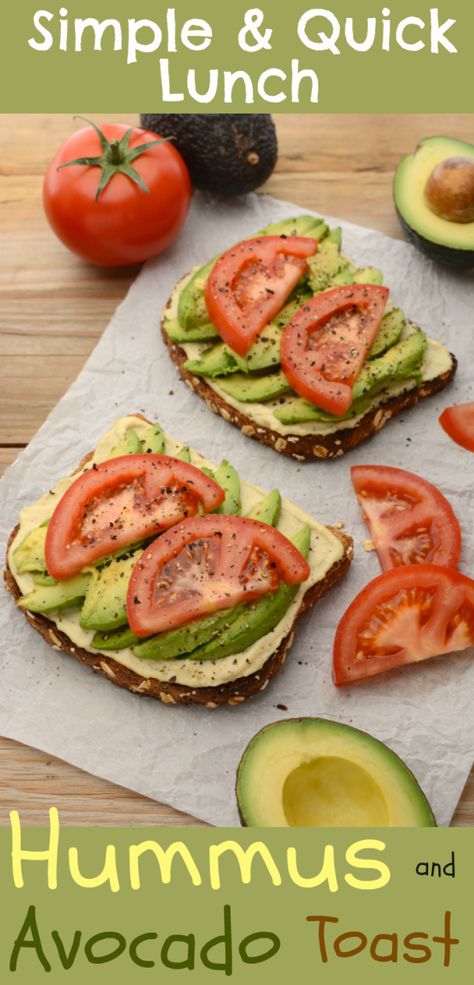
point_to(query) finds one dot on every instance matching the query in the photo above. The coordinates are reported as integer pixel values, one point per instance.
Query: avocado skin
(457, 259)
(293, 726)
(230, 154)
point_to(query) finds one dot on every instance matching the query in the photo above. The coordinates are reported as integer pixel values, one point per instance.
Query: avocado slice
(255, 389)
(389, 333)
(105, 604)
(441, 239)
(367, 275)
(228, 479)
(218, 360)
(201, 333)
(311, 772)
(153, 441)
(401, 361)
(258, 618)
(130, 444)
(326, 264)
(118, 639)
(300, 225)
(268, 510)
(192, 310)
(29, 555)
(46, 598)
(184, 640)
(184, 455)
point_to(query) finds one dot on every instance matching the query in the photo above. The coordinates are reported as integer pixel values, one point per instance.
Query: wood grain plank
(53, 307)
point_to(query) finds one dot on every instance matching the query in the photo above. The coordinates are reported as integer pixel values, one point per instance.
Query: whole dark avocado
(230, 154)
(434, 199)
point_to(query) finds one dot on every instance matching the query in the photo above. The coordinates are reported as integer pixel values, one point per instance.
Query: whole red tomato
(123, 199)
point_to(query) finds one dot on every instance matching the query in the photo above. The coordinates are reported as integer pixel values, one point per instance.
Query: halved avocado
(311, 772)
(447, 241)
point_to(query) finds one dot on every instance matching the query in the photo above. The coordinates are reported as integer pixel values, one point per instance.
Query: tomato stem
(116, 158)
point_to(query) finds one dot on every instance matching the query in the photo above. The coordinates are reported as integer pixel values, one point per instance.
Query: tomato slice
(325, 344)
(119, 502)
(250, 283)
(458, 422)
(206, 564)
(408, 614)
(410, 521)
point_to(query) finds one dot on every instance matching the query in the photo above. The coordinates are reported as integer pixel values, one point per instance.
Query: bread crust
(306, 448)
(231, 693)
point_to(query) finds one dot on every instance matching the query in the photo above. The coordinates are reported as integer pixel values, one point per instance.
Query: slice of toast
(233, 692)
(312, 446)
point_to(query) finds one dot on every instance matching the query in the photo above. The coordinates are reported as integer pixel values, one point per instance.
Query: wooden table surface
(53, 308)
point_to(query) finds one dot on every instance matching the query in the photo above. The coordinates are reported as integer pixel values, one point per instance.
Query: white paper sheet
(187, 757)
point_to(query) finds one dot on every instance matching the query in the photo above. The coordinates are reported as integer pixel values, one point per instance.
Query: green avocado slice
(312, 772)
(192, 311)
(268, 510)
(180, 642)
(153, 440)
(255, 389)
(46, 598)
(389, 333)
(257, 619)
(130, 444)
(105, 604)
(228, 479)
(119, 639)
(29, 555)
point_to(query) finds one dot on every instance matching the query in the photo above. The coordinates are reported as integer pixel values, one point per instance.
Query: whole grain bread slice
(170, 692)
(305, 448)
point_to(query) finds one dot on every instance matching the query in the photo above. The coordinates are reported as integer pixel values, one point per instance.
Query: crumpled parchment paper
(187, 757)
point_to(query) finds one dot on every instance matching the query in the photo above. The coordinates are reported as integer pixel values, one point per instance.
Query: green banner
(125, 905)
(208, 56)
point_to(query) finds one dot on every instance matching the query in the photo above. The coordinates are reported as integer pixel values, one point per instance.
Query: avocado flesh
(192, 310)
(455, 240)
(311, 772)
(129, 445)
(118, 639)
(401, 361)
(153, 441)
(47, 598)
(182, 641)
(105, 604)
(268, 511)
(256, 619)
(389, 333)
(228, 479)
(255, 389)
(201, 333)
(29, 555)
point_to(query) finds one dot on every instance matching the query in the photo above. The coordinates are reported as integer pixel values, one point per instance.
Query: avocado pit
(449, 190)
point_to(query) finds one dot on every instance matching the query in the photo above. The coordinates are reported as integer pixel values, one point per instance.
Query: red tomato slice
(406, 615)
(119, 502)
(250, 283)
(325, 344)
(458, 422)
(207, 564)
(410, 521)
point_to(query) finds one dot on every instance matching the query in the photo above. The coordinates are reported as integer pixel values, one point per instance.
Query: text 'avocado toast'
(252, 391)
(225, 657)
